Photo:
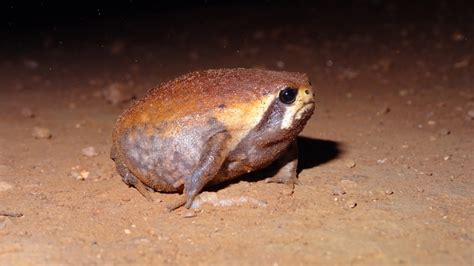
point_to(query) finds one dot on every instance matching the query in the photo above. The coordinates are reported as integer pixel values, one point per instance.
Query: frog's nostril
(306, 91)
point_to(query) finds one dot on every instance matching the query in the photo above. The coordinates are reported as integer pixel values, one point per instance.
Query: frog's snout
(307, 95)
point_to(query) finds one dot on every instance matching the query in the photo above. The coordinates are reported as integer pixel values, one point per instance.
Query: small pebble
(388, 192)
(420, 189)
(27, 112)
(41, 133)
(338, 191)
(347, 184)
(75, 175)
(4, 186)
(127, 231)
(470, 113)
(82, 175)
(351, 204)
(89, 151)
(141, 240)
(444, 132)
(189, 214)
(350, 163)
(431, 122)
(117, 93)
(403, 92)
(383, 111)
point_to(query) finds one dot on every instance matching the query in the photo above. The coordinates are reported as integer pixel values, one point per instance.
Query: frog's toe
(176, 205)
(133, 181)
(283, 179)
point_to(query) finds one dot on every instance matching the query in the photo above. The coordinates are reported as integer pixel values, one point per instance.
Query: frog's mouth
(305, 110)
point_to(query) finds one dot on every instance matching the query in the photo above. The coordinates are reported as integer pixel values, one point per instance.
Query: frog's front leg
(287, 163)
(209, 164)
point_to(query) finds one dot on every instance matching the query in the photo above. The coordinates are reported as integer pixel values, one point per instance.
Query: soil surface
(386, 161)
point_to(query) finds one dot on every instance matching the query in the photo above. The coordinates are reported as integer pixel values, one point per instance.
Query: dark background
(26, 24)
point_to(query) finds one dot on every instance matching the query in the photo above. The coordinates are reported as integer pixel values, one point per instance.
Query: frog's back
(198, 92)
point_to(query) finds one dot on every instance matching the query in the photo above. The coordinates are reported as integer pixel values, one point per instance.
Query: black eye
(288, 95)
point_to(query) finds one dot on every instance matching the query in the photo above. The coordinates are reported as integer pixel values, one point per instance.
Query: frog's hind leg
(127, 177)
(133, 181)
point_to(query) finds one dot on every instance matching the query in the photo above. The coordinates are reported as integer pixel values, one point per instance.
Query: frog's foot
(133, 181)
(288, 164)
(290, 181)
(176, 204)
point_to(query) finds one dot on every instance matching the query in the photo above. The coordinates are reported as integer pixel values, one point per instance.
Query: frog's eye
(288, 95)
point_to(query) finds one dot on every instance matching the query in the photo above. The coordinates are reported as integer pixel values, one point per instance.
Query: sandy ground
(386, 164)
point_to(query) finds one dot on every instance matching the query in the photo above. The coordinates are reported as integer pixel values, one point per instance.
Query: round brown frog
(210, 126)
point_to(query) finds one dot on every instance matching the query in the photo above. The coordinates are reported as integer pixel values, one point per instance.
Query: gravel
(41, 133)
(470, 113)
(117, 93)
(444, 132)
(338, 191)
(351, 204)
(350, 163)
(189, 214)
(4, 186)
(27, 112)
(89, 151)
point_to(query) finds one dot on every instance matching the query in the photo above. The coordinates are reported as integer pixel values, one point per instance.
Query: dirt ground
(386, 164)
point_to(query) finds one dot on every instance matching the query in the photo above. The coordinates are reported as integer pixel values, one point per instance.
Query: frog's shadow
(311, 153)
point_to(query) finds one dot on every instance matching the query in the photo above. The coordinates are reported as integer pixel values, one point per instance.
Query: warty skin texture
(210, 126)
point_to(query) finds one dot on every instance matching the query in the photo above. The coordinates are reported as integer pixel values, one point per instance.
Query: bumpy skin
(208, 127)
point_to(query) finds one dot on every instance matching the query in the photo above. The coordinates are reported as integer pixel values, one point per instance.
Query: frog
(212, 126)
